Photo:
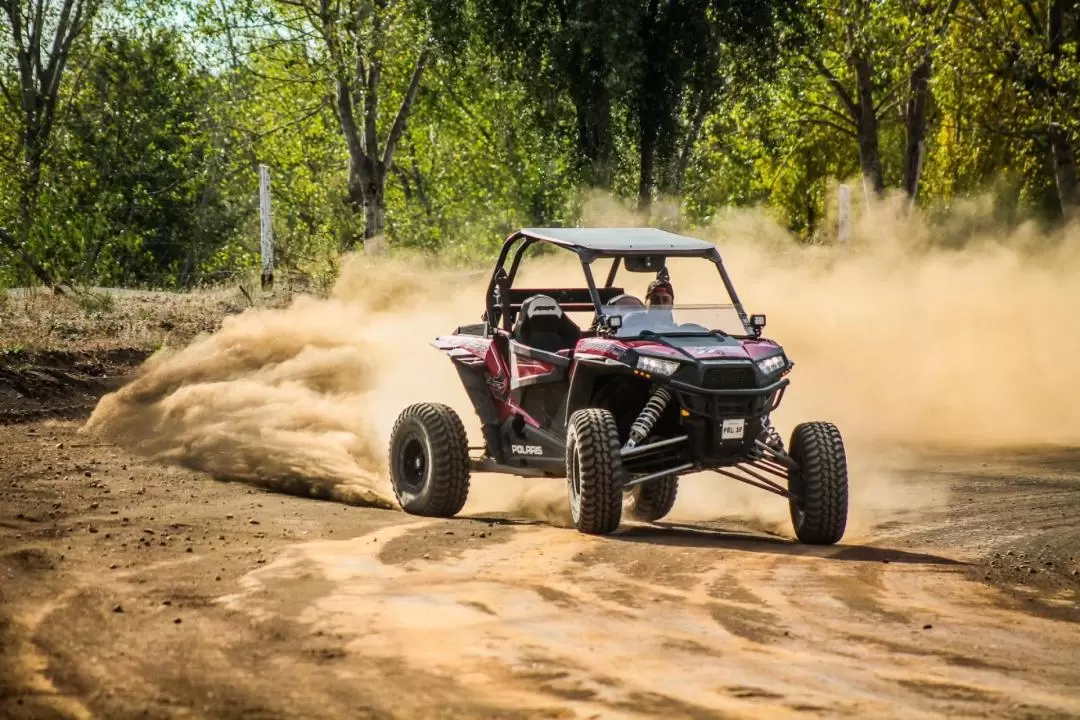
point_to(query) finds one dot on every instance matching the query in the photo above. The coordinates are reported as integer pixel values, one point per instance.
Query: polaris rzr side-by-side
(621, 407)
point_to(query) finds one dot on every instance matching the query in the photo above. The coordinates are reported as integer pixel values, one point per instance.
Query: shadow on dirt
(671, 534)
(682, 535)
(319, 489)
(677, 535)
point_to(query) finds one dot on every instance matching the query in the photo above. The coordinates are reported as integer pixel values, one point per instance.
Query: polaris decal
(527, 449)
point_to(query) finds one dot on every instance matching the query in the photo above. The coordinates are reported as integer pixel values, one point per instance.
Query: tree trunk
(367, 170)
(1065, 172)
(354, 196)
(915, 122)
(677, 174)
(594, 142)
(39, 76)
(374, 204)
(919, 99)
(592, 106)
(1061, 150)
(869, 153)
(647, 152)
(367, 178)
(366, 194)
(33, 158)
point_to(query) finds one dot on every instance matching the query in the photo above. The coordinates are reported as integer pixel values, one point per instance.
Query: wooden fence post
(267, 235)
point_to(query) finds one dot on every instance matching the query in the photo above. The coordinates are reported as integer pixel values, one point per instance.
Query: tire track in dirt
(688, 623)
(33, 664)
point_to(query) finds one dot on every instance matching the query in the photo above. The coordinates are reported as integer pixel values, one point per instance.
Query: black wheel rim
(414, 464)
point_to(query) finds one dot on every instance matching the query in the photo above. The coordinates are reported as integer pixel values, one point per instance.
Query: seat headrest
(541, 306)
(626, 300)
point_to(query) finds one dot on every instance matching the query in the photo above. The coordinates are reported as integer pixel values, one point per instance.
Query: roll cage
(503, 301)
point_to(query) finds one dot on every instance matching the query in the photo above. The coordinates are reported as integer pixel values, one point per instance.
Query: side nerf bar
(658, 445)
(656, 475)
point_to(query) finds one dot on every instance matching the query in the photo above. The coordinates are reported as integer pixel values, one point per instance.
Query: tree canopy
(131, 133)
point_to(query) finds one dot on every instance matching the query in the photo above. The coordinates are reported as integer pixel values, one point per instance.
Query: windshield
(677, 319)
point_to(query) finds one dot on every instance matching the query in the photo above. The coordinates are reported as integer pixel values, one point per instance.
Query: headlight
(656, 366)
(772, 364)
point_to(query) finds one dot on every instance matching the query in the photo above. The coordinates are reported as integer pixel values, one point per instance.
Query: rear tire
(594, 471)
(819, 505)
(653, 500)
(429, 460)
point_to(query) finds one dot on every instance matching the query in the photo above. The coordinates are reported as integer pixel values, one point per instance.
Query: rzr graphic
(623, 408)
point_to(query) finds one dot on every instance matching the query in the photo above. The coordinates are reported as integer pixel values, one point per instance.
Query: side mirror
(757, 324)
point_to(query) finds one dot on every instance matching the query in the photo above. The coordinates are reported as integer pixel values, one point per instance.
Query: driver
(660, 293)
(659, 298)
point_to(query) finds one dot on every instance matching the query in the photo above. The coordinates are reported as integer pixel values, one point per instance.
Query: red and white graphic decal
(525, 370)
(498, 374)
(600, 346)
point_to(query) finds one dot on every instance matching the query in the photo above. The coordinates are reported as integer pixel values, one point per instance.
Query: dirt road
(129, 589)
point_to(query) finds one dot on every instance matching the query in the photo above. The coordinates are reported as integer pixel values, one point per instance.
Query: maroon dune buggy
(623, 405)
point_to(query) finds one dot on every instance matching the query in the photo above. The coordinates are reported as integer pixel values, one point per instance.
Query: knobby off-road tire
(429, 460)
(819, 507)
(594, 471)
(653, 500)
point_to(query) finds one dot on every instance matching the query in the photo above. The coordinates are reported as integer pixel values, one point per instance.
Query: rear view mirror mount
(644, 263)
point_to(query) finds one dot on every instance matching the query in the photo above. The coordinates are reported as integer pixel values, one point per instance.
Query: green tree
(364, 48)
(1029, 53)
(39, 37)
(572, 55)
(685, 51)
(142, 197)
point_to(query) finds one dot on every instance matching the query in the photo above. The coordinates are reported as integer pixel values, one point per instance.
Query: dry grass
(36, 320)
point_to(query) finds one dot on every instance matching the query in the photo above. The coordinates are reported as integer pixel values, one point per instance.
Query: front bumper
(703, 410)
(732, 402)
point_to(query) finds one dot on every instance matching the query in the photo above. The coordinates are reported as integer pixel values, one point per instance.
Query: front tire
(429, 460)
(819, 487)
(653, 500)
(594, 471)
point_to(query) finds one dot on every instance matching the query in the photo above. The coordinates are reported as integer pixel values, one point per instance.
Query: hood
(706, 347)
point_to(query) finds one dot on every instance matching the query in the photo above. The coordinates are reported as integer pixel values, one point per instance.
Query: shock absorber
(772, 438)
(648, 416)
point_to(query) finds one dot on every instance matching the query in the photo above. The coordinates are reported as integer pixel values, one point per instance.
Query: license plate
(732, 429)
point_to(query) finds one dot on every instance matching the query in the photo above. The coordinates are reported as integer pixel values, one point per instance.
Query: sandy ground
(134, 590)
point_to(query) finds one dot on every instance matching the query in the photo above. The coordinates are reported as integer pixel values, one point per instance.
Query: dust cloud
(942, 333)
(300, 399)
(921, 332)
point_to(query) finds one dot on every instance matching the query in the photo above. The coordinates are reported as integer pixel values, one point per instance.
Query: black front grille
(729, 378)
(718, 406)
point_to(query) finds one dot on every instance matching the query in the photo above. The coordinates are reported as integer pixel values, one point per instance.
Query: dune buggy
(623, 407)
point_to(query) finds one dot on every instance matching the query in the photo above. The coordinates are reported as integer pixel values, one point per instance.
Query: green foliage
(139, 201)
(168, 108)
(464, 177)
